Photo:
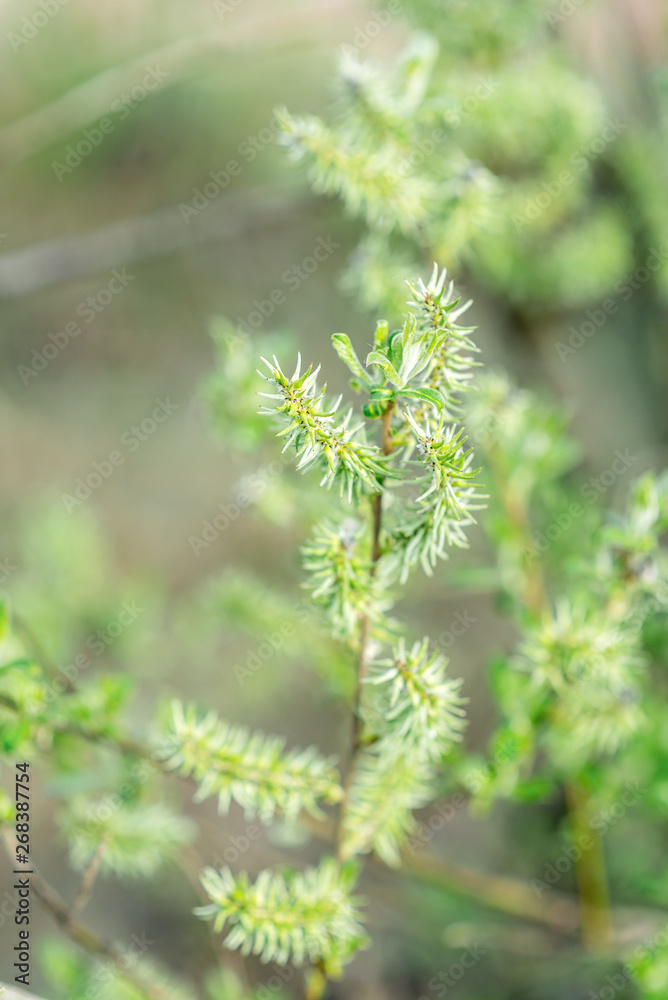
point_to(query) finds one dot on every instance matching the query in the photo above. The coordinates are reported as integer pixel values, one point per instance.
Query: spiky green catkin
(386, 790)
(337, 448)
(131, 838)
(287, 916)
(337, 559)
(252, 769)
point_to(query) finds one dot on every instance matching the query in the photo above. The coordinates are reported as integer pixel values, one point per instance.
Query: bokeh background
(188, 88)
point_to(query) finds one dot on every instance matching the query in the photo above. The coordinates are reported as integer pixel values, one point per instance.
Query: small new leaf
(426, 395)
(345, 350)
(131, 838)
(386, 366)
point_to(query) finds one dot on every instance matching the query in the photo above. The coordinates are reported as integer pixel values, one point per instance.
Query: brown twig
(89, 876)
(590, 865)
(377, 522)
(62, 915)
(590, 870)
(561, 914)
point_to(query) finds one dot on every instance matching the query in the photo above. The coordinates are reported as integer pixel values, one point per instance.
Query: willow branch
(590, 870)
(590, 865)
(81, 935)
(377, 523)
(89, 876)
(500, 894)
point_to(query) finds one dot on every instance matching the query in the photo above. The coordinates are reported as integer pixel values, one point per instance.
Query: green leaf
(395, 348)
(382, 394)
(388, 369)
(345, 350)
(408, 333)
(373, 410)
(533, 790)
(432, 396)
(380, 337)
(18, 664)
(379, 397)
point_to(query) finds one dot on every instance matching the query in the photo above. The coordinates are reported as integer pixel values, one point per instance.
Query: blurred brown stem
(89, 876)
(590, 871)
(504, 895)
(590, 866)
(377, 523)
(59, 911)
(92, 98)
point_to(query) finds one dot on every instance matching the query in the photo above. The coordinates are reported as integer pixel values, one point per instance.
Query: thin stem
(89, 876)
(377, 524)
(315, 983)
(501, 894)
(590, 865)
(37, 650)
(590, 871)
(59, 911)
(388, 444)
(558, 912)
